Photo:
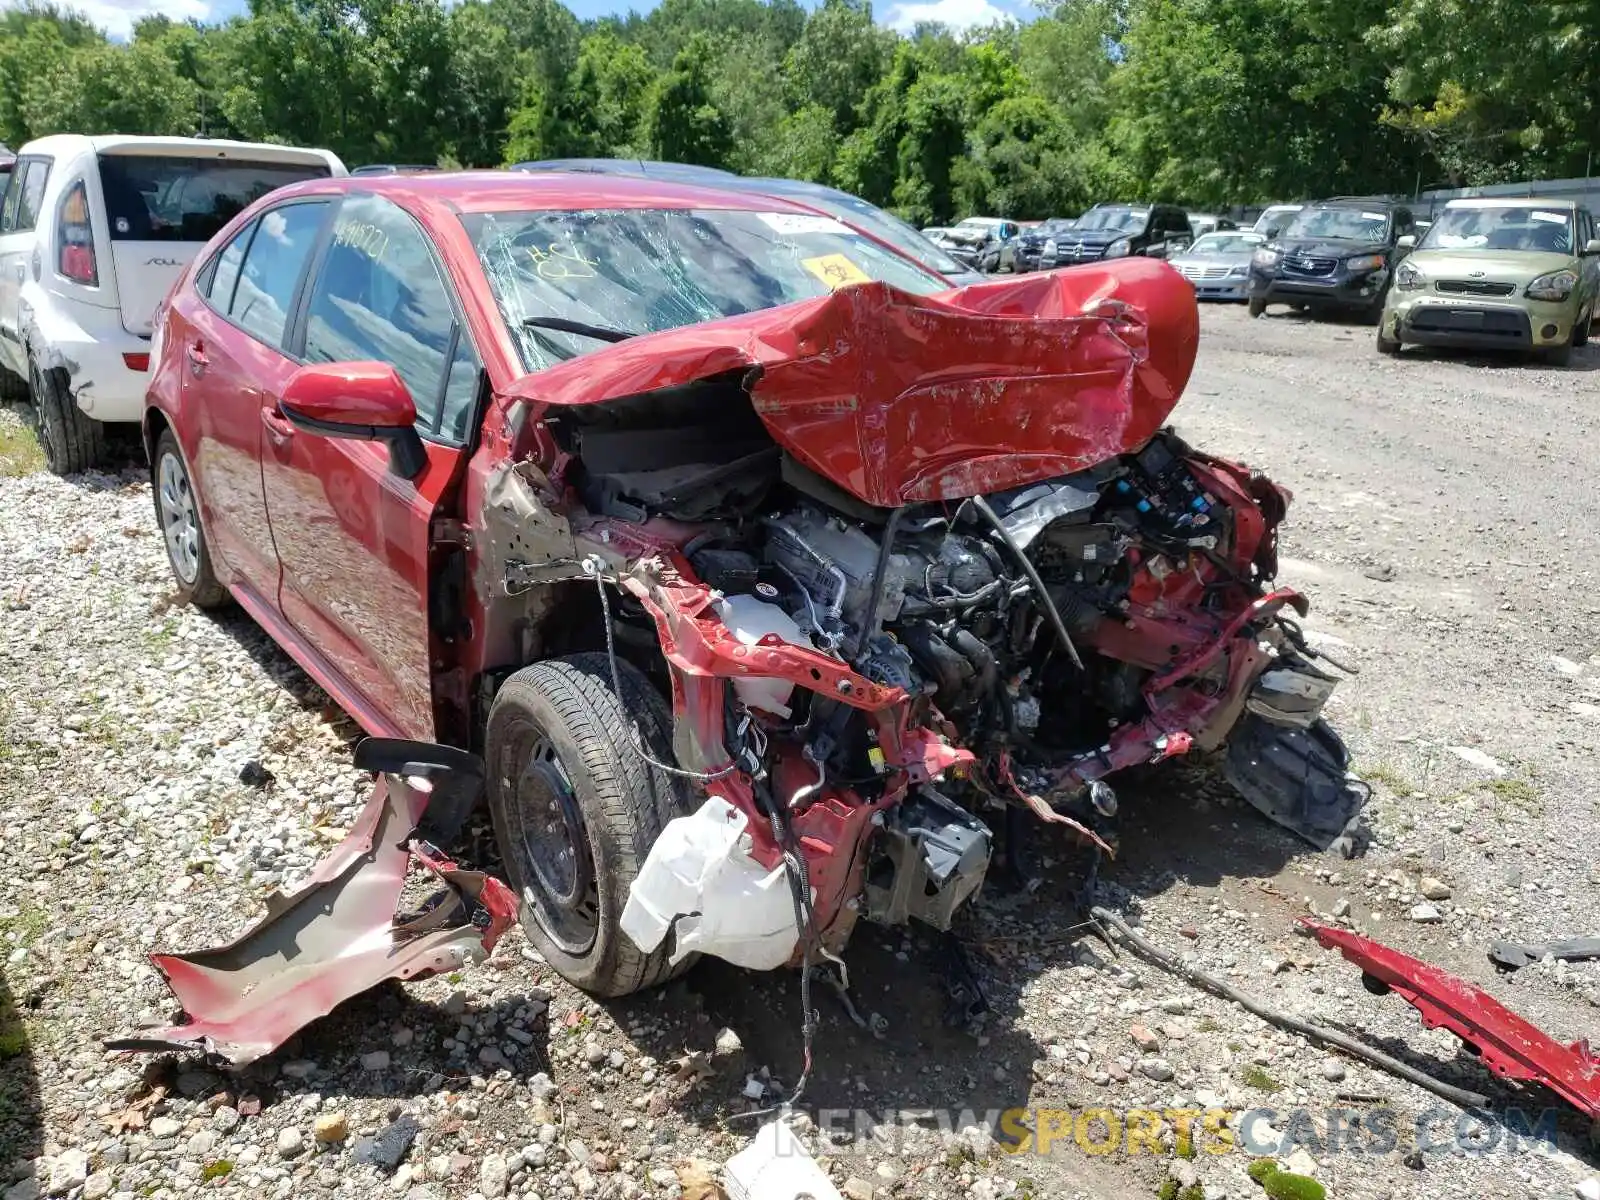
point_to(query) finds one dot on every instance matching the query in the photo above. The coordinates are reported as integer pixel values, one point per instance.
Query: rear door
(19, 212)
(162, 208)
(235, 359)
(354, 538)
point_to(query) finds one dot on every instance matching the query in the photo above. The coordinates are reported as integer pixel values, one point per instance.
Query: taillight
(75, 238)
(136, 362)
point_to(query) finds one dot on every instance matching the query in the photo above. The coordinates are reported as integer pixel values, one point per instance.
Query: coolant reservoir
(750, 620)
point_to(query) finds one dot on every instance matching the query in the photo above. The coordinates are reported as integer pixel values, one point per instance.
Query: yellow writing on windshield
(835, 270)
(562, 262)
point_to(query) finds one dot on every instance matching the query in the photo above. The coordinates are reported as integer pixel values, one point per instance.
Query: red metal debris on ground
(1512, 1047)
(339, 933)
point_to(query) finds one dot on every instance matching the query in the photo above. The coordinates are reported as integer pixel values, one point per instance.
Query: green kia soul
(1498, 272)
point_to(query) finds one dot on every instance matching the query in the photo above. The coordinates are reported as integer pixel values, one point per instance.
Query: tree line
(1202, 102)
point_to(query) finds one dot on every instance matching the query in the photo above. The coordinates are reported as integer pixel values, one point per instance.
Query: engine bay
(987, 656)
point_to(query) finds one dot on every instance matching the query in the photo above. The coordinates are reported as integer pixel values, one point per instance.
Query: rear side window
(223, 277)
(24, 195)
(379, 296)
(271, 269)
(169, 199)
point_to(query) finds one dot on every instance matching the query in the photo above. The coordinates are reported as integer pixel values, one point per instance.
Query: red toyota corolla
(764, 572)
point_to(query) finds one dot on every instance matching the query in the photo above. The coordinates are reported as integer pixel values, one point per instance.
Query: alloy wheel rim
(180, 523)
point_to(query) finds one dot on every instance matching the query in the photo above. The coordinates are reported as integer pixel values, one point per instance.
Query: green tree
(838, 58)
(683, 123)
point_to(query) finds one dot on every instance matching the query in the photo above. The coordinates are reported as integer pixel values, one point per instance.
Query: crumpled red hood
(902, 398)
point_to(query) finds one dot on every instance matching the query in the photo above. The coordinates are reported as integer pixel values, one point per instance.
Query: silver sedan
(1218, 264)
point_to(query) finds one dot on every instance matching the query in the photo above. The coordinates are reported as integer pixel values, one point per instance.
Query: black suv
(1335, 254)
(1118, 230)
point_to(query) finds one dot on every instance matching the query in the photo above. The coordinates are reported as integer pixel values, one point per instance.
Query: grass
(25, 927)
(1207, 1025)
(1392, 778)
(215, 1170)
(1257, 1077)
(1517, 792)
(20, 453)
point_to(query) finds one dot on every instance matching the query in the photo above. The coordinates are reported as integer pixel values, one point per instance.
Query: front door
(353, 536)
(19, 210)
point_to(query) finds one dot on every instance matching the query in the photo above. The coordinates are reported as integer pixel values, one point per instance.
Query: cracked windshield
(570, 282)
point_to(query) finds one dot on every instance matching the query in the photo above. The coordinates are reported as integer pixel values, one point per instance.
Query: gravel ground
(161, 770)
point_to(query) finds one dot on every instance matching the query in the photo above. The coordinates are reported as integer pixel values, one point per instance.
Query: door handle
(278, 427)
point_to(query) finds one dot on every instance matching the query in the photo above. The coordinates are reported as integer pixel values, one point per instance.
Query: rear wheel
(72, 440)
(178, 514)
(576, 810)
(1257, 306)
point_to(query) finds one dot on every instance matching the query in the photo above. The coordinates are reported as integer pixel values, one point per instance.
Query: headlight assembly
(1367, 262)
(1119, 248)
(1408, 279)
(1557, 286)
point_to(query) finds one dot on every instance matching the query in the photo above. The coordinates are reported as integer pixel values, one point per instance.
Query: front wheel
(1386, 344)
(576, 809)
(1257, 306)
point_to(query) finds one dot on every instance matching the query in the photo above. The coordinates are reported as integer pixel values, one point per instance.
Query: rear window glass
(165, 199)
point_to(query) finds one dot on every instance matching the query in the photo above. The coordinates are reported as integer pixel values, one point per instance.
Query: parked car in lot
(1520, 274)
(1029, 251)
(93, 230)
(1275, 218)
(853, 210)
(982, 243)
(393, 168)
(725, 531)
(1336, 255)
(1201, 224)
(1119, 230)
(1218, 264)
(6, 160)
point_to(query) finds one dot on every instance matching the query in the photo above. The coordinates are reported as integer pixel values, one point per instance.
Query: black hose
(873, 623)
(1032, 573)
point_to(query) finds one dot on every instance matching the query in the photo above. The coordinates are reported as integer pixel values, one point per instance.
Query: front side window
(1502, 227)
(380, 296)
(621, 272)
(271, 269)
(159, 198)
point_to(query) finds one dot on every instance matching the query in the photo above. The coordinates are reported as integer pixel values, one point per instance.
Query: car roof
(645, 167)
(62, 144)
(511, 191)
(1511, 202)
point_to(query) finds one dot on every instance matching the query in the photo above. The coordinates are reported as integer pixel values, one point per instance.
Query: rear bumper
(89, 343)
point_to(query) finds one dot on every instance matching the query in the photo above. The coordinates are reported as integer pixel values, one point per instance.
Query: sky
(116, 17)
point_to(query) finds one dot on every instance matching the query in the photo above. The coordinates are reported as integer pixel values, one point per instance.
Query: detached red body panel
(1511, 1047)
(901, 398)
(333, 938)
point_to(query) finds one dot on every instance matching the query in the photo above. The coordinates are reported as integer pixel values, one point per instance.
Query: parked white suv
(93, 230)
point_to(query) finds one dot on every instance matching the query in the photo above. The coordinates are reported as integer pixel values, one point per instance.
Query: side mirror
(362, 401)
(1591, 247)
(1406, 241)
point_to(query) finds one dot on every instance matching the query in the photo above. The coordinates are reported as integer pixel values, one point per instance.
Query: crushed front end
(913, 564)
